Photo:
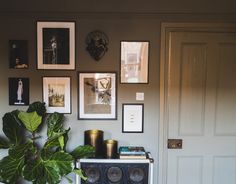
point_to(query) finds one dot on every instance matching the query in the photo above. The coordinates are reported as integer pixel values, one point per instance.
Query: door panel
(201, 107)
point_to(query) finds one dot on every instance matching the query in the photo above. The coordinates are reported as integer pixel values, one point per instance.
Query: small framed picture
(18, 54)
(133, 117)
(97, 95)
(18, 91)
(56, 45)
(134, 62)
(57, 94)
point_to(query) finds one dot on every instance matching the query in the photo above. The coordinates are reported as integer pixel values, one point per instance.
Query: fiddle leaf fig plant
(30, 160)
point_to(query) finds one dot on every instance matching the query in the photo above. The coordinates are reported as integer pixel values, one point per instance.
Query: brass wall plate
(175, 143)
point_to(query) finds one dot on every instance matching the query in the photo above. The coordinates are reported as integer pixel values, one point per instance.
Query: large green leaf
(39, 172)
(55, 123)
(31, 120)
(22, 150)
(12, 127)
(57, 140)
(50, 170)
(80, 173)
(10, 169)
(63, 160)
(4, 143)
(83, 152)
(39, 107)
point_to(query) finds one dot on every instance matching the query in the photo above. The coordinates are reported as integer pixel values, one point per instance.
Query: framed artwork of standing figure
(57, 94)
(18, 91)
(56, 45)
(18, 54)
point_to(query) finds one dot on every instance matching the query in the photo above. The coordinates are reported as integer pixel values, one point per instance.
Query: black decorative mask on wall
(97, 42)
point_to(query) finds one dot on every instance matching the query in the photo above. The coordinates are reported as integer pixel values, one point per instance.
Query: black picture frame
(57, 94)
(56, 45)
(97, 95)
(18, 91)
(132, 118)
(134, 61)
(18, 54)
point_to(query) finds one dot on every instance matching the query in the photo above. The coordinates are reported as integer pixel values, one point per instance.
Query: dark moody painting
(18, 54)
(56, 46)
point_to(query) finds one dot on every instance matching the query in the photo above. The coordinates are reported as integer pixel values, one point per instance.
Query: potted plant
(27, 158)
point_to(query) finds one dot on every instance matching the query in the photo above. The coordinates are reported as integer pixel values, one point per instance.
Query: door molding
(166, 29)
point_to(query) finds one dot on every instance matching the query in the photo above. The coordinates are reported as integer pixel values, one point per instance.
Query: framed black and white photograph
(18, 54)
(133, 117)
(97, 95)
(134, 61)
(18, 91)
(57, 94)
(56, 45)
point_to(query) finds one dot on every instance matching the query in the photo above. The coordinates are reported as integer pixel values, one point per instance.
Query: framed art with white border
(97, 95)
(57, 94)
(133, 117)
(134, 59)
(56, 45)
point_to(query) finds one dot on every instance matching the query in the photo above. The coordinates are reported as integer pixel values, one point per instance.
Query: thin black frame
(114, 115)
(72, 44)
(148, 58)
(123, 117)
(50, 109)
(25, 90)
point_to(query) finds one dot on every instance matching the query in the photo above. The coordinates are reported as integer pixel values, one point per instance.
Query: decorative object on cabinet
(57, 94)
(56, 45)
(94, 138)
(30, 160)
(97, 95)
(97, 42)
(133, 117)
(18, 91)
(134, 61)
(18, 54)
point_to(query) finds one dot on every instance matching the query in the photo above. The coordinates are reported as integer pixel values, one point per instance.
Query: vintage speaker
(116, 171)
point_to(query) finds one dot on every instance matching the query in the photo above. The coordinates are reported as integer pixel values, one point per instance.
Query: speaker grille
(114, 174)
(136, 174)
(93, 174)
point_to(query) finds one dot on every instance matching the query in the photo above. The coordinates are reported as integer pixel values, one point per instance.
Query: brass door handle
(175, 144)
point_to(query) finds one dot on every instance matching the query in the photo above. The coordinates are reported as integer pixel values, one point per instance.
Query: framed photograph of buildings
(97, 95)
(57, 94)
(133, 117)
(18, 54)
(18, 91)
(56, 45)
(134, 61)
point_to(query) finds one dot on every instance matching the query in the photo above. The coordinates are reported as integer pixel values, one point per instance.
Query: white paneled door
(199, 106)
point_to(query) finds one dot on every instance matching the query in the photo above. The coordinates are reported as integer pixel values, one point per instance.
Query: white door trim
(166, 29)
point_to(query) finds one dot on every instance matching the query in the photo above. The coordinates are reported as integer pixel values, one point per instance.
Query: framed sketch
(18, 91)
(56, 45)
(133, 117)
(134, 62)
(57, 94)
(18, 54)
(97, 95)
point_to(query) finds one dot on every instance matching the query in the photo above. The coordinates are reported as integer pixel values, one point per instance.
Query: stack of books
(132, 152)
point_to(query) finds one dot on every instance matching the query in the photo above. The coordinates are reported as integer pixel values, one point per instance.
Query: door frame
(166, 29)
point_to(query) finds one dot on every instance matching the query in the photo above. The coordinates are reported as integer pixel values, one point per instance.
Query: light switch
(139, 96)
